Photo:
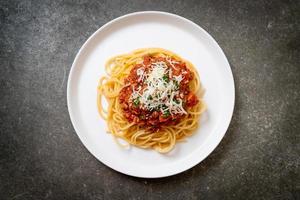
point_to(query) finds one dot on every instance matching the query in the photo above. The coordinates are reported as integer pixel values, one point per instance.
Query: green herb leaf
(176, 85)
(166, 114)
(164, 107)
(136, 102)
(166, 78)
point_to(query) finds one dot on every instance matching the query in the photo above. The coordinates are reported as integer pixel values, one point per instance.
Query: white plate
(140, 30)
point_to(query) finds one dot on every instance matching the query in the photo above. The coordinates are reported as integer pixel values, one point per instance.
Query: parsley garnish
(166, 114)
(164, 107)
(176, 85)
(166, 78)
(136, 102)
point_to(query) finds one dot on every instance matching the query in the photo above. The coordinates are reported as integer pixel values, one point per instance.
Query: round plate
(142, 30)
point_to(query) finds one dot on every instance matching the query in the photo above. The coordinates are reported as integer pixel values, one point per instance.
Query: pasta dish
(154, 98)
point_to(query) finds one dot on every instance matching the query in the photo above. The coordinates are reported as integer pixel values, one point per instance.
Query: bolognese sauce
(157, 92)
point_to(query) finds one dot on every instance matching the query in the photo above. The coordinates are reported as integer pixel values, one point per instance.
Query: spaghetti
(154, 98)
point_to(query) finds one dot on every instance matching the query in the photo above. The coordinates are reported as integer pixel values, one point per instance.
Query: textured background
(41, 156)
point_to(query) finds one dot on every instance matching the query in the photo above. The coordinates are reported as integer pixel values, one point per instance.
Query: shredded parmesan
(172, 62)
(159, 92)
(140, 73)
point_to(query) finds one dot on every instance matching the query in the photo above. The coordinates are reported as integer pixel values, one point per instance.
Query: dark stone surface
(41, 157)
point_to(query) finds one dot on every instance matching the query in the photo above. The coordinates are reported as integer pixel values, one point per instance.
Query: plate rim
(225, 124)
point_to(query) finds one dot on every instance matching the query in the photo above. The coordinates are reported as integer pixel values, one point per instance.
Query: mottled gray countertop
(41, 156)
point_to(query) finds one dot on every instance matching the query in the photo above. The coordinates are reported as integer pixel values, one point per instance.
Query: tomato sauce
(135, 112)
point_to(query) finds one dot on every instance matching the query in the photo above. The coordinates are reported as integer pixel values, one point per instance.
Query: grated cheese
(159, 93)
